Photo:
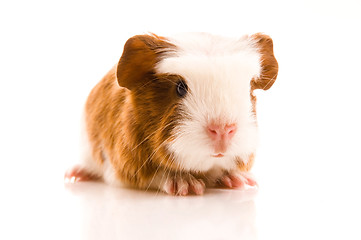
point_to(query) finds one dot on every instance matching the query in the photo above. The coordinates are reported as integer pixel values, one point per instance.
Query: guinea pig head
(193, 95)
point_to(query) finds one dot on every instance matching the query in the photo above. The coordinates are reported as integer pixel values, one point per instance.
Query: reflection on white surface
(113, 213)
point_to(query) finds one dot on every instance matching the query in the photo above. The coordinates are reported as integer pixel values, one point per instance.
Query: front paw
(183, 184)
(237, 179)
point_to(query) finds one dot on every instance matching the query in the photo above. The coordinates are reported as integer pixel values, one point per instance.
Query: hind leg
(79, 173)
(88, 168)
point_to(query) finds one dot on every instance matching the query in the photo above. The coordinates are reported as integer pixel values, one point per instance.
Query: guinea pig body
(178, 114)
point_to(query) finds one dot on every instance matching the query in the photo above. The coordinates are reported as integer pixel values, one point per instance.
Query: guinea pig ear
(140, 55)
(269, 65)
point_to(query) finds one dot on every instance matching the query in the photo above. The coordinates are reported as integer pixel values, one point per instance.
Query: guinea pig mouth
(219, 155)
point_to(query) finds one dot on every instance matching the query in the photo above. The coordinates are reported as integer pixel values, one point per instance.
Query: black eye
(182, 88)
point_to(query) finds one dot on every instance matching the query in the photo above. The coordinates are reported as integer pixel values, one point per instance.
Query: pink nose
(221, 135)
(221, 132)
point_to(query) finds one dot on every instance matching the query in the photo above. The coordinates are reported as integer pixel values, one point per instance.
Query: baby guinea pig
(177, 114)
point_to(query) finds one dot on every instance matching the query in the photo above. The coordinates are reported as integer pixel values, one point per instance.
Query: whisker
(166, 169)
(156, 171)
(160, 164)
(270, 80)
(149, 158)
(154, 152)
(164, 127)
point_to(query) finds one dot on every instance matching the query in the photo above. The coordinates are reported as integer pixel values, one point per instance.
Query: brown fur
(246, 166)
(132, 138)
(267, 78)
(127, 136)
(268, 62)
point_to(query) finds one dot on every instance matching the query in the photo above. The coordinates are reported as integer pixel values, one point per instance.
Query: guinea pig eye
(182, 88)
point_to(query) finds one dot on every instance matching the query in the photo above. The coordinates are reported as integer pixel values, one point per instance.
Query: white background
(308, 165)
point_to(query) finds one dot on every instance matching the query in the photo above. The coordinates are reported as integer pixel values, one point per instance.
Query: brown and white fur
(178, 114)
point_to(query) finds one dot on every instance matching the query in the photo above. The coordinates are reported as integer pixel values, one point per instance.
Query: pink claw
(227, 181)
(184, 186)
(77, 174)
(251, 182)
(237, 180)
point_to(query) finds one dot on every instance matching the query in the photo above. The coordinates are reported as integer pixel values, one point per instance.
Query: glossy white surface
(308, 164)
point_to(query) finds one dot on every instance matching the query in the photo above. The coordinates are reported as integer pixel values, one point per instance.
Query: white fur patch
(109, 174)
(87, 161)
(105, 171)
(218, 72)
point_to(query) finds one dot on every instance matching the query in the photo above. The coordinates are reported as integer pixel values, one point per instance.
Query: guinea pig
(178, 114)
